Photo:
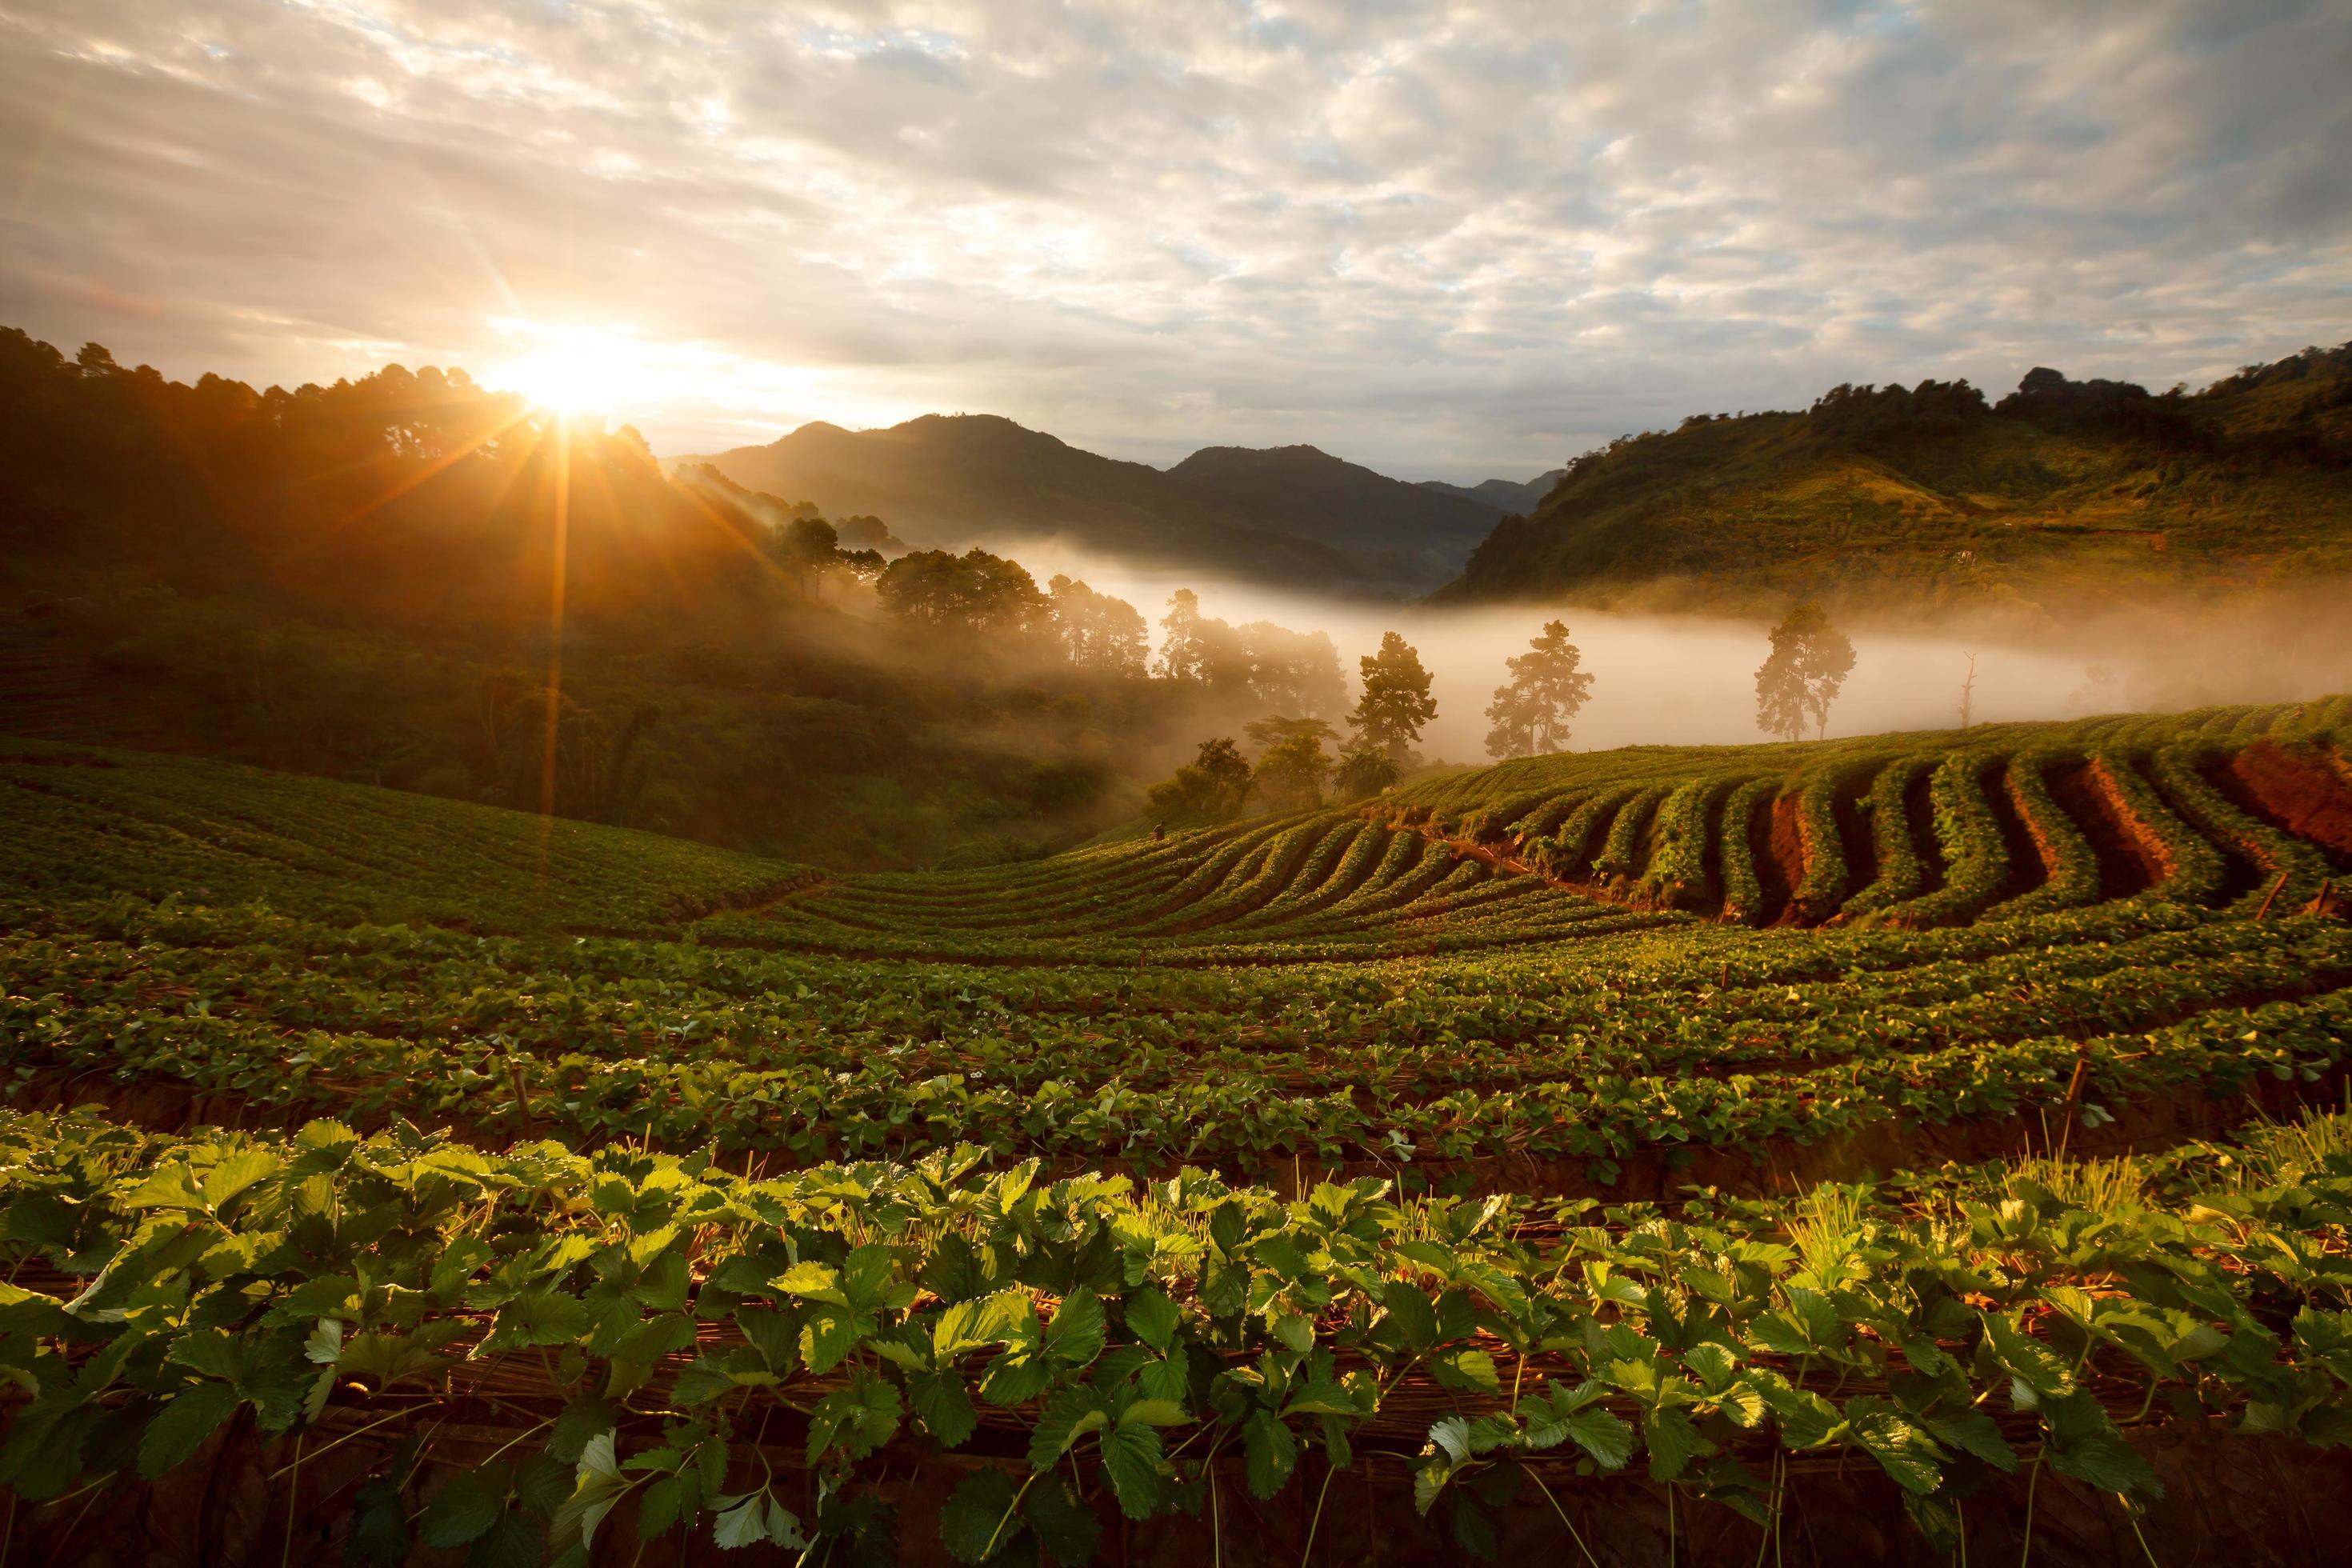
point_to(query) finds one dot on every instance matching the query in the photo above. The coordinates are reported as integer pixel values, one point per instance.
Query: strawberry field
(1597, 1156)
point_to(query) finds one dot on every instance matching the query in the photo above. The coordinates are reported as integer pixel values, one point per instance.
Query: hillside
(2084, 495)
(371, 581)
(1408, 533)
(953, 481)
(1506, 496)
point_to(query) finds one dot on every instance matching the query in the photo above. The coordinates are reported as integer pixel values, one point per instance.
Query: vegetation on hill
(406, 580)
(1510, 497)
(2064, 497)
(1444, 1146)
(955, 481)
(1409, 533)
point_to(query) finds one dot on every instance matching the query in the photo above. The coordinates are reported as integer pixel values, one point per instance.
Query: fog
(1688, 680)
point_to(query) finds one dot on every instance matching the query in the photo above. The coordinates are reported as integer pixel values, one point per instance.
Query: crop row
(675, 1348)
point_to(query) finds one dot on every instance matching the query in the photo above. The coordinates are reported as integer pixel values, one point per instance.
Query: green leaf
(1154, 1413)
(597, 1486)
(1971, 1431)
(1607, 1439)
(827, 1338)
(1006, 1318)
(943, 1402)
(1674, 1442)
(1415, 1316)
(1903, 1449)
(977, 1521)
(2025, 1358)
(1075, 1336)
(467, 1506)
(856, 1420)
(236, 1174)
(1467, 1371)
(1069, 1416)
(1132, 1460)
(1066, 1526)
(1152, 1318)
(580, 1421)
(513, 1541)
(1271, 1452)
(2085, 1444)
(180, 1428)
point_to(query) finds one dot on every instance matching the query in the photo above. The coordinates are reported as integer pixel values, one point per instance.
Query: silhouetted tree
(1096, 631)
(1293, 672)
(1199, 648)
(1292, 771)
(975, 592)
(805, 547)
(1396, 701)
(1211, 785)
(1810, 662)
(1533, 710)
(1366, 769)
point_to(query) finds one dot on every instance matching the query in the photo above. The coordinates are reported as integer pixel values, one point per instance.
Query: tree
(1396, 701)
(1096, 631)
(1292, 771)
(805, 547)
(1197, 648)
(1211, 785)
(1273, 728)
(1810, 662)
(1532, 710)
(973, 592)
(1366, 769)
(1292, 672)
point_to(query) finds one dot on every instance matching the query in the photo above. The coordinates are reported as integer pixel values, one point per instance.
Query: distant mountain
(1408, 534)
(950, 480)
(2062, 498)
(1507, 497)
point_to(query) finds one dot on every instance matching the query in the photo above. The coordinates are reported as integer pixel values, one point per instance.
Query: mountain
(1505, 495)
(2064, 497)
(955, 480)
(1409, 534)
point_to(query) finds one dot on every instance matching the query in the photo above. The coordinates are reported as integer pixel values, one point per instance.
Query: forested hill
(953, 481)
(1292, 515)
(1933, 496)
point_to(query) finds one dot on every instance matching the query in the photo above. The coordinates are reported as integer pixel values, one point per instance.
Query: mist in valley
(1689, 680)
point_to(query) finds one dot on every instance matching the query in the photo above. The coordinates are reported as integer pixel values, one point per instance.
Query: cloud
(1448, 240)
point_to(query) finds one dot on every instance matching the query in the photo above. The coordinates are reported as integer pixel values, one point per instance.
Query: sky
(1447, 241)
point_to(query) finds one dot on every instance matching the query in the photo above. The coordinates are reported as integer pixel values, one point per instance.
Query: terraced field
(1755, 1118)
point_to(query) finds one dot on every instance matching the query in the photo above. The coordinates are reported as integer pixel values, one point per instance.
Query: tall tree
(1292, 771)
(1292, 672)
(1211, 785)
(1396, 701)
(1801, 677)
(1199, 648)
(1096, 631)
(805, 547)
(1533, 710)
(974, 592)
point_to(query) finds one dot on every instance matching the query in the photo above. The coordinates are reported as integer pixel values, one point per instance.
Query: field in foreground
(1662, 1152)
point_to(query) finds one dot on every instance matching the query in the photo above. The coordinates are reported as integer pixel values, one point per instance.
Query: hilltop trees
(1211, 785)
(1292, 771)
(1094, 631)
(1532, 710)
(804, 547)
(973, 592)
(1396, 701)
(1809, 663)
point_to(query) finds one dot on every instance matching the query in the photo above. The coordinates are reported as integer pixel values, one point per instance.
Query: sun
(577, 371)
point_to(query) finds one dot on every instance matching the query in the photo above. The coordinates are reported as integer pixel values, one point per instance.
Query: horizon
(1447, 247)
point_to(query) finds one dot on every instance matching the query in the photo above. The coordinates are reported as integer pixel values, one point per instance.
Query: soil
(2028, 861)
(2295, 792)
(1857, 834)
(1778, 858)
(2130, 861)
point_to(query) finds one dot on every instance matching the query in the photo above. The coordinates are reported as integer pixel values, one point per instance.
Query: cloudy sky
(1448, 241)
